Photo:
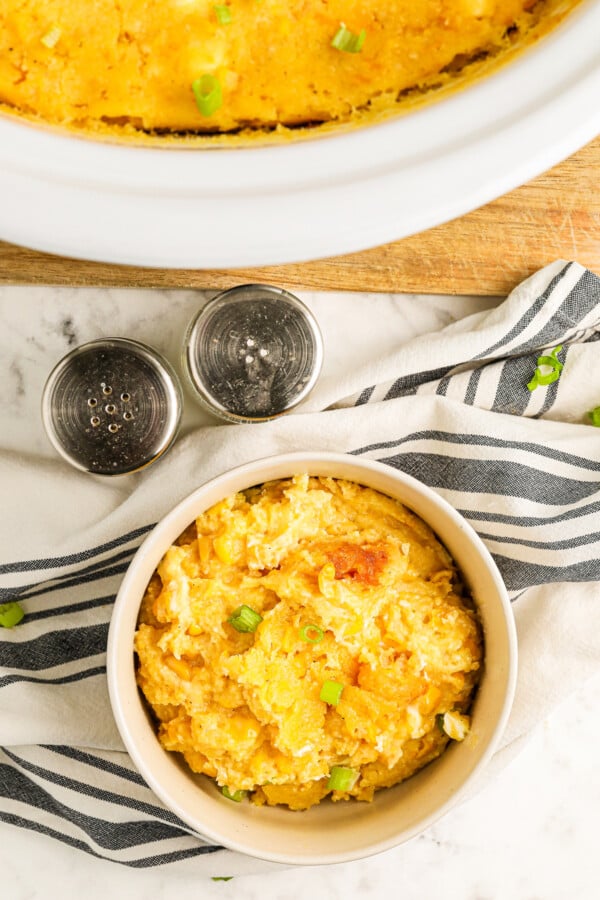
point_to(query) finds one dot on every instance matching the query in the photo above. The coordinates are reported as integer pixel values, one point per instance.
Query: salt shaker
(253, 353)
(112, 406)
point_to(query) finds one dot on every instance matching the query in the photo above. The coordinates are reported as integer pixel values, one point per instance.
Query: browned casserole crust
(130, 66)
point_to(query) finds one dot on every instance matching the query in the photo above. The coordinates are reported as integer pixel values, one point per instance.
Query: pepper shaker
(253, 353)
(112, 406)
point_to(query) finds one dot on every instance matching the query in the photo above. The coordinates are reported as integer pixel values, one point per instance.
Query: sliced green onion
(221, 878)
(548, 377)
(594, 416)
(331, 692)
(539, 379)
(245, 619)
(208, 94)
(237, 796)
(549, 361)
(347, 41)
(312, 634)
(223, 14)
(439, 721)
(342, 778)
(10, 615)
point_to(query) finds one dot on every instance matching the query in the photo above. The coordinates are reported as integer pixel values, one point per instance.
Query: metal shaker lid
(253, 353)
(112, 406)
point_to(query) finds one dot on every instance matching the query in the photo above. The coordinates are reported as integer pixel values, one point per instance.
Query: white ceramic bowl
(328, 833)
(336, 194)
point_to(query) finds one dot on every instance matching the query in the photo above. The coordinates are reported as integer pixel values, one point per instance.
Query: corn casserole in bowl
(326, 629)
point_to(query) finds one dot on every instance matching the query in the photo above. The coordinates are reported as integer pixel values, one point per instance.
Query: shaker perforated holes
(112, 406)
(253, 353)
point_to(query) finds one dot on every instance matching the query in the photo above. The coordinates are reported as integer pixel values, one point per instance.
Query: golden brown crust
(131, 74)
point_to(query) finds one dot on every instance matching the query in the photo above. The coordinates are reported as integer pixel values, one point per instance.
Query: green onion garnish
(10, 615)
(538, 379)
(594, 416)
(222, 878)
(312, 634)
(548, 361)
(245, 619)
(237, 796)
(223, 14)
(331, 692)
(348, 42)
(208, 94)
(342, 778)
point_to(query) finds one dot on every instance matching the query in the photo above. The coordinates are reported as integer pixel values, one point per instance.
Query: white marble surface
(529, 835)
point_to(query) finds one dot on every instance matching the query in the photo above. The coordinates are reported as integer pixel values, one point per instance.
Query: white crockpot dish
(327, 833)
(277, 204)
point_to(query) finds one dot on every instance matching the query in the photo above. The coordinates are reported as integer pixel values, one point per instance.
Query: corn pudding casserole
(199, 66)
(308, 638)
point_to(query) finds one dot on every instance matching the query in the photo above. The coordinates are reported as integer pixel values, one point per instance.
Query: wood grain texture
(486, 252)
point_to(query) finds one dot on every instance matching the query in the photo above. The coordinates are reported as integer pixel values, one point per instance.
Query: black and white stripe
(491, 375)
(546, 488)
(100, 806)
(63, 637)
(91, 800)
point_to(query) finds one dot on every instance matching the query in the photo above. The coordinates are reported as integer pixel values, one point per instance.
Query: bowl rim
(148, 556)
(335, 194)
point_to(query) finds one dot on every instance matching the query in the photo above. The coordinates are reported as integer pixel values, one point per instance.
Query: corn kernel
(326, 576)
(179, 666)
(456, 725)
(430, 699)
(290, 639)
(223, 547)
(354, 627)
(159, 609)
(51, 38)
(204, 549)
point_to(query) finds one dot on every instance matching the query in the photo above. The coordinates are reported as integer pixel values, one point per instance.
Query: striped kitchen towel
(451, 408)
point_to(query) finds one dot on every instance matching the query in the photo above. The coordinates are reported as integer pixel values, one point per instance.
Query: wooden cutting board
(486, 252)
